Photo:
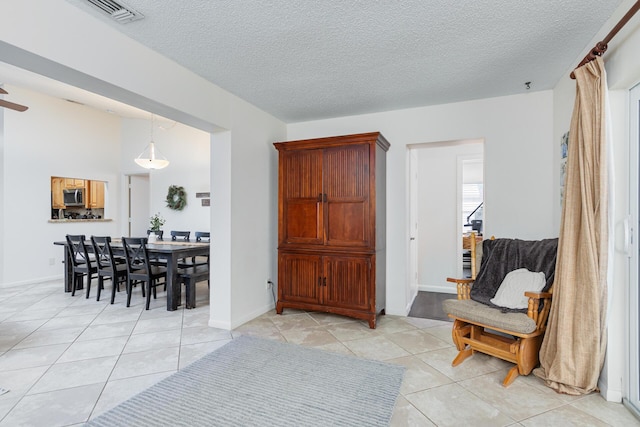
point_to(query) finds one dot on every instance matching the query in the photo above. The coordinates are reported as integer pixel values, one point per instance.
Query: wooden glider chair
(502, 311)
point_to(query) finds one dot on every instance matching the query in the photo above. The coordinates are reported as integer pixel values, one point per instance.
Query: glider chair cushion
(513, 330)
(483, 314)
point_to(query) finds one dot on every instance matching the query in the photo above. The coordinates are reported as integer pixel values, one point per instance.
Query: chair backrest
(202, 235)
(183, 234)
(78, 253)
(135, 249)
(476, 253)
(503, 256)
(103, 252)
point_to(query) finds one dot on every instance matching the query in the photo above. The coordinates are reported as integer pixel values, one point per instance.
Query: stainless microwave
(73, 197)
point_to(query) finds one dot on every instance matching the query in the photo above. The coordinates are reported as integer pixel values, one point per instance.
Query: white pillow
(510, 294)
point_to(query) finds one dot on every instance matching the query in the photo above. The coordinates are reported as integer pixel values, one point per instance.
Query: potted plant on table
(155, 227)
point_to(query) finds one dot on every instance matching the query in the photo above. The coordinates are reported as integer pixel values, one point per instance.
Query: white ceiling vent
(117, 10)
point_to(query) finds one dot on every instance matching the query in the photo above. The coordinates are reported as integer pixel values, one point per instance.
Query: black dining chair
(195, 268)
(140, 269)
(183, 235)
(109, 266)
(201, 236)
(81, 263)
(159, 234)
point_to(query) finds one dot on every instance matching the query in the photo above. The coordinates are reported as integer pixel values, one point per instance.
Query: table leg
(173, 284)
(68, 271)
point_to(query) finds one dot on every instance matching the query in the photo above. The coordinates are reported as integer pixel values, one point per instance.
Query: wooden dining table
(168, 250)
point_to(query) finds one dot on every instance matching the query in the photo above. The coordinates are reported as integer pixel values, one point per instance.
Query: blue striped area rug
(258, 382)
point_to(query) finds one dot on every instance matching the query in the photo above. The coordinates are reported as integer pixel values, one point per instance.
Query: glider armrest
(463, 286)
(533, 310)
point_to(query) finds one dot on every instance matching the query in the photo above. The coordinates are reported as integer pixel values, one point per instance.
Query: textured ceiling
(308, 59)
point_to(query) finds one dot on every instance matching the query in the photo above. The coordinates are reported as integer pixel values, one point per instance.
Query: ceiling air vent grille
(117, 10)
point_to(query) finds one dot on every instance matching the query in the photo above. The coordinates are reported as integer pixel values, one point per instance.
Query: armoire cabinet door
(346, 185)
(299, 278)
(348, 282)
(302, 197)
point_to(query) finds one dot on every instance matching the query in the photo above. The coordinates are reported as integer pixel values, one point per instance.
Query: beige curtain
(573, 349)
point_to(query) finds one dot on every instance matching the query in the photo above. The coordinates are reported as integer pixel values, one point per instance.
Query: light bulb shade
(151, 158)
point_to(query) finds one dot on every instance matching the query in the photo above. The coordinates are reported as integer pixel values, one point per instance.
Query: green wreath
(176, 198)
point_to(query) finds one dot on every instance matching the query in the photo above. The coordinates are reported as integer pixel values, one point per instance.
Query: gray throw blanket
(501, 256)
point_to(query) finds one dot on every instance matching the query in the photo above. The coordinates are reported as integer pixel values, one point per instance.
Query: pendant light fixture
(151, 158)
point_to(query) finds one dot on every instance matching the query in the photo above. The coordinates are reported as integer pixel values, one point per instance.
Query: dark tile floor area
(428, 305)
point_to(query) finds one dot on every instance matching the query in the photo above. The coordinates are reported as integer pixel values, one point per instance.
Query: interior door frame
(413, 172)
(413, 222)
(130, 189)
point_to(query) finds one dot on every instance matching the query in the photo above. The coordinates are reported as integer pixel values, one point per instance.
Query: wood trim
(324, 142)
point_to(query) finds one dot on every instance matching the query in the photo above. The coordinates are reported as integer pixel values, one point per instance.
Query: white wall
(254, 207)
(244, 220)
(439, 230)
(52, 138)
(623, 72)
(2, 192)
(438, 227)
(519, 163)
(188, 151)
(61, 44)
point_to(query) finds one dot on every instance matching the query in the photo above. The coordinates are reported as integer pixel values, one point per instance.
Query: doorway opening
(137, 196)
(472, 203)
(445, 187)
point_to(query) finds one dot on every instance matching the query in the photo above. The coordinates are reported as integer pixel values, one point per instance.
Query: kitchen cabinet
(57, 198)
(95, 199)
(70, 183)
(331, 225)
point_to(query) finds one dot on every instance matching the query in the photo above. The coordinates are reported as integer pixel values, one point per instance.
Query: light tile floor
(67, 359)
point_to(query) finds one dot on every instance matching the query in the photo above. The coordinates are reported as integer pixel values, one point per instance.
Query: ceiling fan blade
(3, 92)
(12, 106)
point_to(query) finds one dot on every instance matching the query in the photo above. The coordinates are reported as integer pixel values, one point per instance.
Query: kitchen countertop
(66, 220)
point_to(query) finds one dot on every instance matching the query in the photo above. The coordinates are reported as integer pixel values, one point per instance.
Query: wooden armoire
(331, 225)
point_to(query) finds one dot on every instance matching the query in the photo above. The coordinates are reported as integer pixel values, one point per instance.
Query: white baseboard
(259, 312)
(445, 289)
(407, 309)
(33, 282)
(220, 325)
(608, 394)
(241, 321)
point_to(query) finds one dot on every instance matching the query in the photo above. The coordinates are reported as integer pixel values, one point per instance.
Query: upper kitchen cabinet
(96, 195)
(57, 187)
(70, 183)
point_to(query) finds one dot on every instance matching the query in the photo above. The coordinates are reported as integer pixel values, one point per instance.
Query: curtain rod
(601, 47)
